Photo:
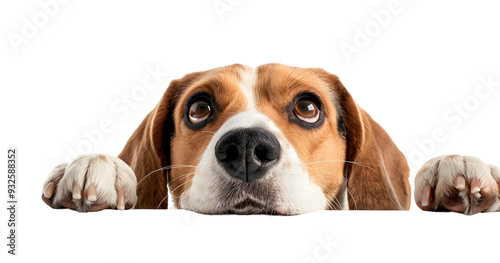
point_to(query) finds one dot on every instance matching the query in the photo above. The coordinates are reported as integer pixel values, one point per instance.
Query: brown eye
(199, 111)
(306, 110)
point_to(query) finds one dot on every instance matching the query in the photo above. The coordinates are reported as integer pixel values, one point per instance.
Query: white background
(64, 79)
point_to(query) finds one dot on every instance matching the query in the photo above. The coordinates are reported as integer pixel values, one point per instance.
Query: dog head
(273, 139)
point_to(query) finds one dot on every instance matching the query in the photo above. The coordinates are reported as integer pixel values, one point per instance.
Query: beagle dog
(268, 140)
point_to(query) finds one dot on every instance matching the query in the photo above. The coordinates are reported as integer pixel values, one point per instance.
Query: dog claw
(426, 195)
(120, 203)
(91, 194)
(49, 190)
(460, 183)
(76, 191)
(475, 186)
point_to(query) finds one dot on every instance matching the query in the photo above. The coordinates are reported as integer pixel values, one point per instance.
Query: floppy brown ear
(148, 149)
(376, 171)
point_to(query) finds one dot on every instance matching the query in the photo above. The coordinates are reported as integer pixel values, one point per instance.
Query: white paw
(462, 184)
(91, 183)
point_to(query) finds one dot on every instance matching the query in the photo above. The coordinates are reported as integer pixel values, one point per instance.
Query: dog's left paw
(456, 183)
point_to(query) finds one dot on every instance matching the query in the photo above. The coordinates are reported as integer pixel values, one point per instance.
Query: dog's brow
(298, 79)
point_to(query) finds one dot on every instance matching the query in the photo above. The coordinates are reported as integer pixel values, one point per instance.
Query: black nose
(247, 154)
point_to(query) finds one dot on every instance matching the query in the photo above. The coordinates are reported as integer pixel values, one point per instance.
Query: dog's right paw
(462, 184)
(91, 183)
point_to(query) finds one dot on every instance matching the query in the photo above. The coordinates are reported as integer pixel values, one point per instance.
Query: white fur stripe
(247, 83)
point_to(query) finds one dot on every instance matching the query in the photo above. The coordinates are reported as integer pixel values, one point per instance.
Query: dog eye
(306, 110)
(199, 111)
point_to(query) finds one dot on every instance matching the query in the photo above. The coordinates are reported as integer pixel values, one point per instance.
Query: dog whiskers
(173, 191)
(181, 177)
(187, 189)
(342, 161)
(347, 189)
(166, 168)
(336, 203)
(173, 195)
(315, 155)
(355, 205)
(158, 207)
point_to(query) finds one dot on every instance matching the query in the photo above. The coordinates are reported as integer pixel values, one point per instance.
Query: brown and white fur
(343, 161)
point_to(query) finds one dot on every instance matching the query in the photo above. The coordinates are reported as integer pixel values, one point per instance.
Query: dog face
(265, 140)
(274, 140)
